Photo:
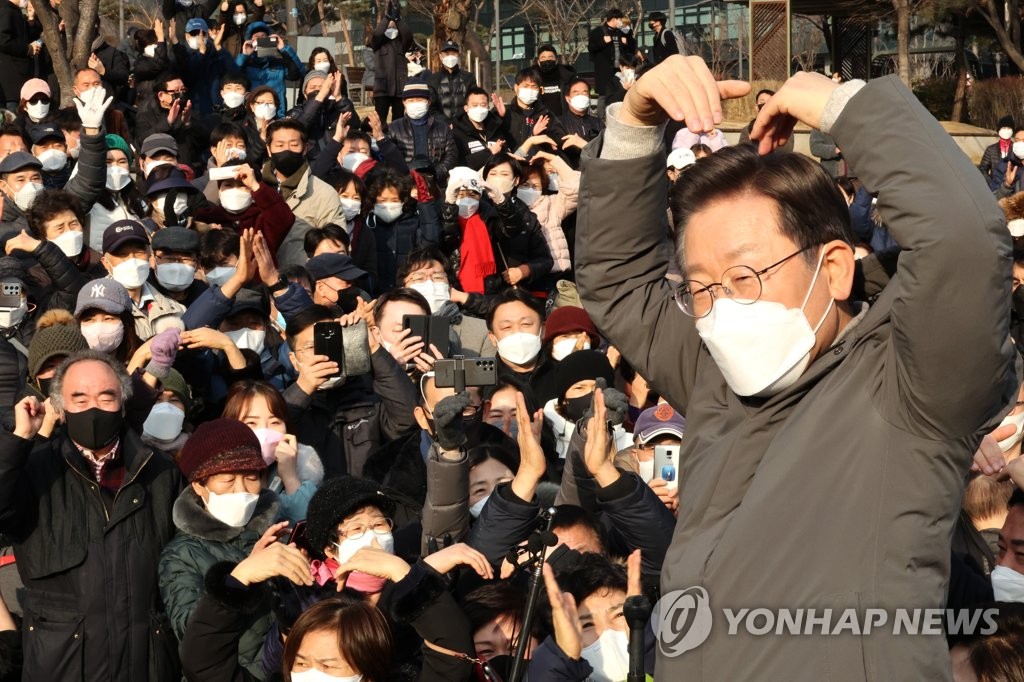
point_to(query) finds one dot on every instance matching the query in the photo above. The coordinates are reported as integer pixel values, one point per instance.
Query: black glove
(449, 428)
(615, 402)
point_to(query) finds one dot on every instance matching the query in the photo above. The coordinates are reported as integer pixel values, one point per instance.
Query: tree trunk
(347, 36)
(55, 45)
(960, 96)
(477, 49)
(991, 15)
(902, 8)
(85, 33)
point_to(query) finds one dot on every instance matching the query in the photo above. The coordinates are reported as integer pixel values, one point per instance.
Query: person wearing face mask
(169, 113)
(56, 337)
(17, 327)
(322, 61)
(201, 61)
(244, 202)
(810, 336)
(580, 126)
(403, 216)
(234, 109)
(450, 84)
(554, 78)
(228, 142)
(1010, 167)
(666, 43)
(566, 330)
(127, 256)
(247, 324)
(529, 121)
(362, 243)
(479, 131)
(993, 165)
(272, 70)
(606, 44)
(152, 58)
(174, 264)
(1008, 575)
(576, 378)
(336, 282)
(390, 41)
(103, 312)
(219, 517)
(167, 426)
(21, 180)
(49, 146)
(113, 487)
(35, 103)
(423, 135)
(121, 198)
(552, 209)
(760, 100)
(158, 149)
(659, 425)
(516, 325)
(172, 199)
(235, 18)
(320, 105)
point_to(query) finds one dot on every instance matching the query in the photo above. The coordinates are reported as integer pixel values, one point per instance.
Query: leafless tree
(68, 37)
(561, 19)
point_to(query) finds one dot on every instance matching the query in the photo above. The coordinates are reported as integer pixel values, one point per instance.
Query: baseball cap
(105, 294)
(333, 265)
(45, 132)
(660, 420)
(196, 24)
(159, 142)
(34, 86)
(450, 46)
(121, 232)
(17, 161)
(680, 158)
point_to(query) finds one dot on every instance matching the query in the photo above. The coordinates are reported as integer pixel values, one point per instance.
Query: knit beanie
(117, 142)
(337, 499)
(56, 334)
(220, 446)
(175, 383)
(582, 365)
(567, 320)
(312, 75)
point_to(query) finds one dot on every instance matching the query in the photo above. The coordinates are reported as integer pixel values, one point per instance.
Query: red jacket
(268, 213)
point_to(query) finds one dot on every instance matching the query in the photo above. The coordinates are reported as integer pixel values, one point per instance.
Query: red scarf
(1005, 146)
(477, 256)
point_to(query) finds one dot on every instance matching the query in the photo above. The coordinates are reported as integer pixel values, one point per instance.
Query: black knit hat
(581, 366)
(59, 338)
(337, 499)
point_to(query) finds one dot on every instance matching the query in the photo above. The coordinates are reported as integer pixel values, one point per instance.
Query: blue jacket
(272, 71)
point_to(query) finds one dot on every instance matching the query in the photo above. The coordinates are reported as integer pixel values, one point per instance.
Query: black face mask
(287, 162)
(575, 408)
(547, 65)
(44, 386)
(94, 428)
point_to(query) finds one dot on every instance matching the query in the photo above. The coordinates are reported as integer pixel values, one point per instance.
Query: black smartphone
(298, 536)
(328, 340)
(266, 47)
(10, 295)
(433, 330)
(471, 372)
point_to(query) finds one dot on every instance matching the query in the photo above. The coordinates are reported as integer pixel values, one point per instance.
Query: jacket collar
(132, 451)
(190, 517)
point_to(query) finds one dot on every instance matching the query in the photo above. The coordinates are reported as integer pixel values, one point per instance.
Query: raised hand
(564, 617)
(541, 125)
(449, 428)
(375, 561)
(28, 417)
(599, 449)
(459, 554)
(532, 463)
(499, 104)
(802, 99)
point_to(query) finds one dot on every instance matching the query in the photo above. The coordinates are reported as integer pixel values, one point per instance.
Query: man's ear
(493, 339)
(106, 264)
(839, 264)
(421, 418)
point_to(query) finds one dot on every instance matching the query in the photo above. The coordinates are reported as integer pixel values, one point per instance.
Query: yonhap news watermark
(682, 620)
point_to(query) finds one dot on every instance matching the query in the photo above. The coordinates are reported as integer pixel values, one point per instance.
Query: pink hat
(34, 86)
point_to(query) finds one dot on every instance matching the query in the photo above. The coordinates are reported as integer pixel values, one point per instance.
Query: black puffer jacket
(448, 91)
(441, 152)
(88, 559)
(472, 143)
(391, 70)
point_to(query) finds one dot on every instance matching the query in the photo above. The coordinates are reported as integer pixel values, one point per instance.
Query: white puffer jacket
(551, 210)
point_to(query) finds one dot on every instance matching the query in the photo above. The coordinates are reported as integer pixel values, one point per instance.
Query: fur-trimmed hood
(308, 465)
(190, 517)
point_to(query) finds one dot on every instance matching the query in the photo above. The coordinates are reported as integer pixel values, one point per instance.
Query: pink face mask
(363, 582)
(269, 439)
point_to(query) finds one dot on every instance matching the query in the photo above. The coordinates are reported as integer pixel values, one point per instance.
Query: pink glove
(163, 348)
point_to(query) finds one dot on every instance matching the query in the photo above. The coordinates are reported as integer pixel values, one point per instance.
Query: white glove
(493, 193)
(455, 183)
(91, 107)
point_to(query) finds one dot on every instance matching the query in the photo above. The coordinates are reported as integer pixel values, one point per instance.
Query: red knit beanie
(220, 446)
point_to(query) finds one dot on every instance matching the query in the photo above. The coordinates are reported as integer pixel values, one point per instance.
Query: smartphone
(10, 295)
(433, 330)
(666, 461)
(473, 371)
(328, 340)
(266, 47)
(226, 173)
(298, 536)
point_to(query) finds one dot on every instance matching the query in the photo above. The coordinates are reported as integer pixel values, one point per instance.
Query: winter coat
(234, 35)
(666, 44)
(396, 239)
(446, 511)
(824, 147)
(60, 281)
(310, 471)
(255, 148)
(441, 151)
(159, 315)
(471, 144)
(886, 497)
(321, 120)
(993, 165)
(602, 54)
(551, 210)
(148, 69)
(347, 423)
(201, 542)
(202, 72)
(100, 217)
(314, 204)
(552, 87)
(15, 36)
(272, 71)
(116, 69)
(516, 237)
(79, 550)
(448, 91)
(389, 72)
(192, 138)
(519, 124)
(268, 214)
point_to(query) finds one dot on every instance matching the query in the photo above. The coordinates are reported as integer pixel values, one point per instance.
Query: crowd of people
(294, 392)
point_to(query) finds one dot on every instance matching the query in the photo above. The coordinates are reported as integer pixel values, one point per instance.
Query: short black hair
(613, 13)
(286, 124)
(660, 17)
(237, 78)
(47, 205)
(305, 319)
(569, 86)
(475, 90)
(528, 74)
(331, 231)
(297, 272)
(546, 47)
(590, 573)
(764, 91)
(216, 246)
(401, 294)
(627, 59)
(418, 258)
(500, 158)
(1017, 498)
(227, 129)
(12, 129)
(514, 295)
(67, 119)
(389, 177)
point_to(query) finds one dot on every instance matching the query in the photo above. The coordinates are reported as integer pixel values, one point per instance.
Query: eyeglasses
(379, 527)
(741, 283)
(420, 278)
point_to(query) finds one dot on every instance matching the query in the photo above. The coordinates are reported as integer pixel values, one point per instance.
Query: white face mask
(37, 111)
(389, 211)
(9, 317)
(478, 506)
(253, 339)
(468, 206)
(1007, 584)
(27, 194)
(1004, 133)
(478, 114)
(220, 275)
(70, 242)
(350, 208)
(580, 102)
(450, 61)
(1018, 149)
(626, 29)
(232, 509)
(436, 293)
(391, 33)
(239, 19)
(761, 348)
(232, 99)
(131, 273)
(348, 547)
(566, 347)
(646, 469)
(53, 159)
(608, 656)
(322, 67)
(265, 112)
(519, 348)
(192, 42)
(416, 110)
(528, 195)
(527, 95)
(1018, 422)
(352, 160)
(164, 422)
(235, 200)
(628, 75)
(150, 51)
(117, 178)
(175, 276)
(314, 675)
(103, 336)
